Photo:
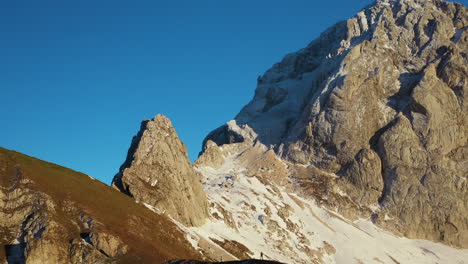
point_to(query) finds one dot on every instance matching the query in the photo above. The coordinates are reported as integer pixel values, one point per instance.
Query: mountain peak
(157, 167)
(388, 81)
(162, 120)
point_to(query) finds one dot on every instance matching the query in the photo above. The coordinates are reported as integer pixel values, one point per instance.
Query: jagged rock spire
(157, 172)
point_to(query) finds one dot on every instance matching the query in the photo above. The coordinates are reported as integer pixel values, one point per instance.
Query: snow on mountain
(349, 148)
(373, 109)
(283, 226)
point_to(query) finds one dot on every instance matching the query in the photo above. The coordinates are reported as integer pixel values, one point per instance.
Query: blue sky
(77, 77)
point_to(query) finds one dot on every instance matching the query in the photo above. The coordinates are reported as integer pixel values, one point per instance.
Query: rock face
(257, 210)
(379, 101)
(157, 172)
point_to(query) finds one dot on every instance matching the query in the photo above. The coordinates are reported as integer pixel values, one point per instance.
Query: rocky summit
(158, 173)
(374, 114)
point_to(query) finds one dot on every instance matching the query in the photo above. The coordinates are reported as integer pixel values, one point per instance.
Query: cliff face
(51, 214)
(379, 103)
(157, 172)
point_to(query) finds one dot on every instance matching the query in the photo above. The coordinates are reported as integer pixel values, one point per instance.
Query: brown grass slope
(151, 238)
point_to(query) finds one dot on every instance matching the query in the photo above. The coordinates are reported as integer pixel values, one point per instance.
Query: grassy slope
(152, 238)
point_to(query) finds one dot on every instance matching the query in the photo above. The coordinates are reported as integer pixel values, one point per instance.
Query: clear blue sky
(77, 77)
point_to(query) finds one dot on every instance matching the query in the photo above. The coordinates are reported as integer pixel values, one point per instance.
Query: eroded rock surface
(378, 101)
(51, 214)
(157, 172)
(31, 231)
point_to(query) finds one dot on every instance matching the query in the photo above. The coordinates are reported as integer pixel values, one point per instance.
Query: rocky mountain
(370, 120)
(256, 209)
(157, 172)
(352, 150)
(51, 214)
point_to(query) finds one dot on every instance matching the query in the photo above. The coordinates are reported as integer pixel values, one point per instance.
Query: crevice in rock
(408, 81)
(342, 172)
(330, 148)
(423, 180)
(417, 35)
(374, 140)
(430, 28)
(396, 10)
(414, 107)
(86, 237)
(104, 253)
(15, 253)
(39, 233)
(400, 19)
(388, 178)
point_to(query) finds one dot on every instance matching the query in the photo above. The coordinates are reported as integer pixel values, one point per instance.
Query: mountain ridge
(353, 149)
(379, 101)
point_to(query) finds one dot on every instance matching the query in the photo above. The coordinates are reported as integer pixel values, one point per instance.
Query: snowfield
(285, 227)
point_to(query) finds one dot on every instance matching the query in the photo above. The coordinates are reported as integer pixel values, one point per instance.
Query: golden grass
(152, 238)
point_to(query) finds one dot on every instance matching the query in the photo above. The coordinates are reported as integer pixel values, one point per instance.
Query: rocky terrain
(157, 172)
(255, 206)
(371, 119)
(51, 214)
(360, 133)
(352, 150)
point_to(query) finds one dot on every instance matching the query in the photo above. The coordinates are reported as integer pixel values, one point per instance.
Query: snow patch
(285, 227)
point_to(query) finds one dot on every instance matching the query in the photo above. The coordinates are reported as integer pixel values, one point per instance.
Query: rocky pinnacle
(157, 172)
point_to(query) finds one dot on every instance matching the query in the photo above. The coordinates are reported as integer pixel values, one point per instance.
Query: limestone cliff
(379, 103)
(157, 172)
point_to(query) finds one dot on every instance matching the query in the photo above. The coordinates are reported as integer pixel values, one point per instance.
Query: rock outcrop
(379, 101)
(50, 214)
(157, 172)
